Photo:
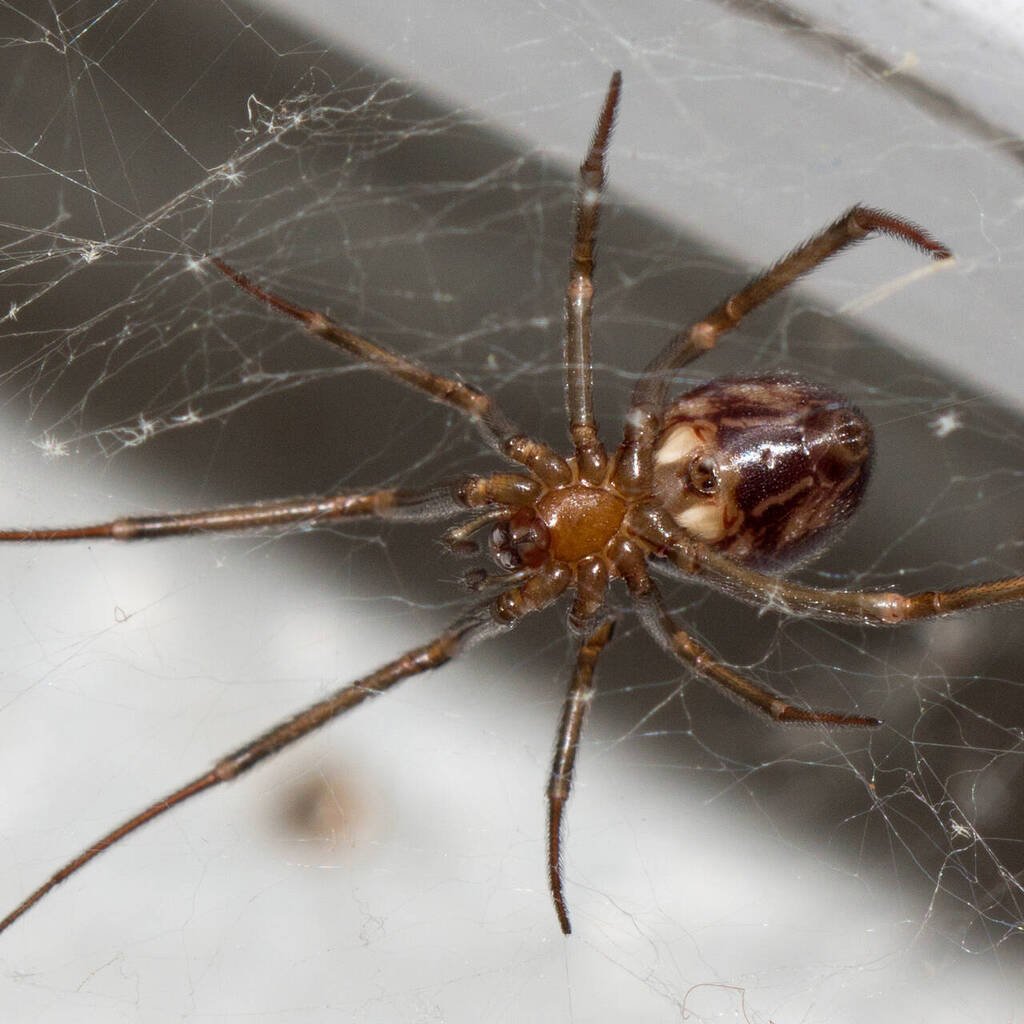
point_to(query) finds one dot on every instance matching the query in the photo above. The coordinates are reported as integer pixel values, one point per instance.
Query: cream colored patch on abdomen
(705, 520)
(704, 517)
(678, 445)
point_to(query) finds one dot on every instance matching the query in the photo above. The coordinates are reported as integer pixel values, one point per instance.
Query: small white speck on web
(231, 174)
(187, 417)
(962, 830)
(945, 423)
(51, 447)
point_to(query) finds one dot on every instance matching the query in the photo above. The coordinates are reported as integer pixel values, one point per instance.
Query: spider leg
(579, 296)
(871, 607)
(854, 226)
(591, 588)
(496, 428)
(650, 394)
(574, 711)
(476, 625)
(459, 539)
(678, 642)
(436, 502)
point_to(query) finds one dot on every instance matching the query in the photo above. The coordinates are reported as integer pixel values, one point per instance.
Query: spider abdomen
(764, 468)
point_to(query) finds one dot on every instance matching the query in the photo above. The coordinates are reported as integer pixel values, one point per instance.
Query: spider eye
(702, 474)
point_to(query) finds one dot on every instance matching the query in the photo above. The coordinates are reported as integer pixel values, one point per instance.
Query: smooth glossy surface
(765, 468)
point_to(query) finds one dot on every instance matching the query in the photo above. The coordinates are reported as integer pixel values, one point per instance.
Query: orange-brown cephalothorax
(581, 520)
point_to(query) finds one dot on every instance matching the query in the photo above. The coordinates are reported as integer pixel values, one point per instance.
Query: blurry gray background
(414, 176)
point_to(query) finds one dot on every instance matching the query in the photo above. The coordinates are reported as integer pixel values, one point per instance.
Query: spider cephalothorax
(737, 477)
(568, 523)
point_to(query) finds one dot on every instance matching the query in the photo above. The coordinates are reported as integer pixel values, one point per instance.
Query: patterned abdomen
(767, 469)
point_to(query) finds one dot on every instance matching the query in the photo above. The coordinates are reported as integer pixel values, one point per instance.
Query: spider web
(392, 867)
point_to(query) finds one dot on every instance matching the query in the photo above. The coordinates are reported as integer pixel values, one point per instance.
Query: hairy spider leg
(703, 663)
(493, 424)
(421, 504)
(591, 457)
(499, 432)
(483, 621)
(574, 711)
(694, 558)
(633, 461)
(435, 502)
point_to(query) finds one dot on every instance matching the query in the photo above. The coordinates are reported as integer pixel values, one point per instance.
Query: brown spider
(733, 482)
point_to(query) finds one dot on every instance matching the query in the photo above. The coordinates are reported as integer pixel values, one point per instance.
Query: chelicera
(729, 484)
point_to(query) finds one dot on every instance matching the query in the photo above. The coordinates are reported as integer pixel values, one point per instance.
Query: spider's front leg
(502, 490)
(470, 629)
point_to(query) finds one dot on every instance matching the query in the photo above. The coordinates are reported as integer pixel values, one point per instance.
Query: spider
(732, 484)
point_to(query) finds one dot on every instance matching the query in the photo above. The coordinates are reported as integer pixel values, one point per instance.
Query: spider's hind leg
(752, 695)
(855, 225)
(650, 395)
(698, 559)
